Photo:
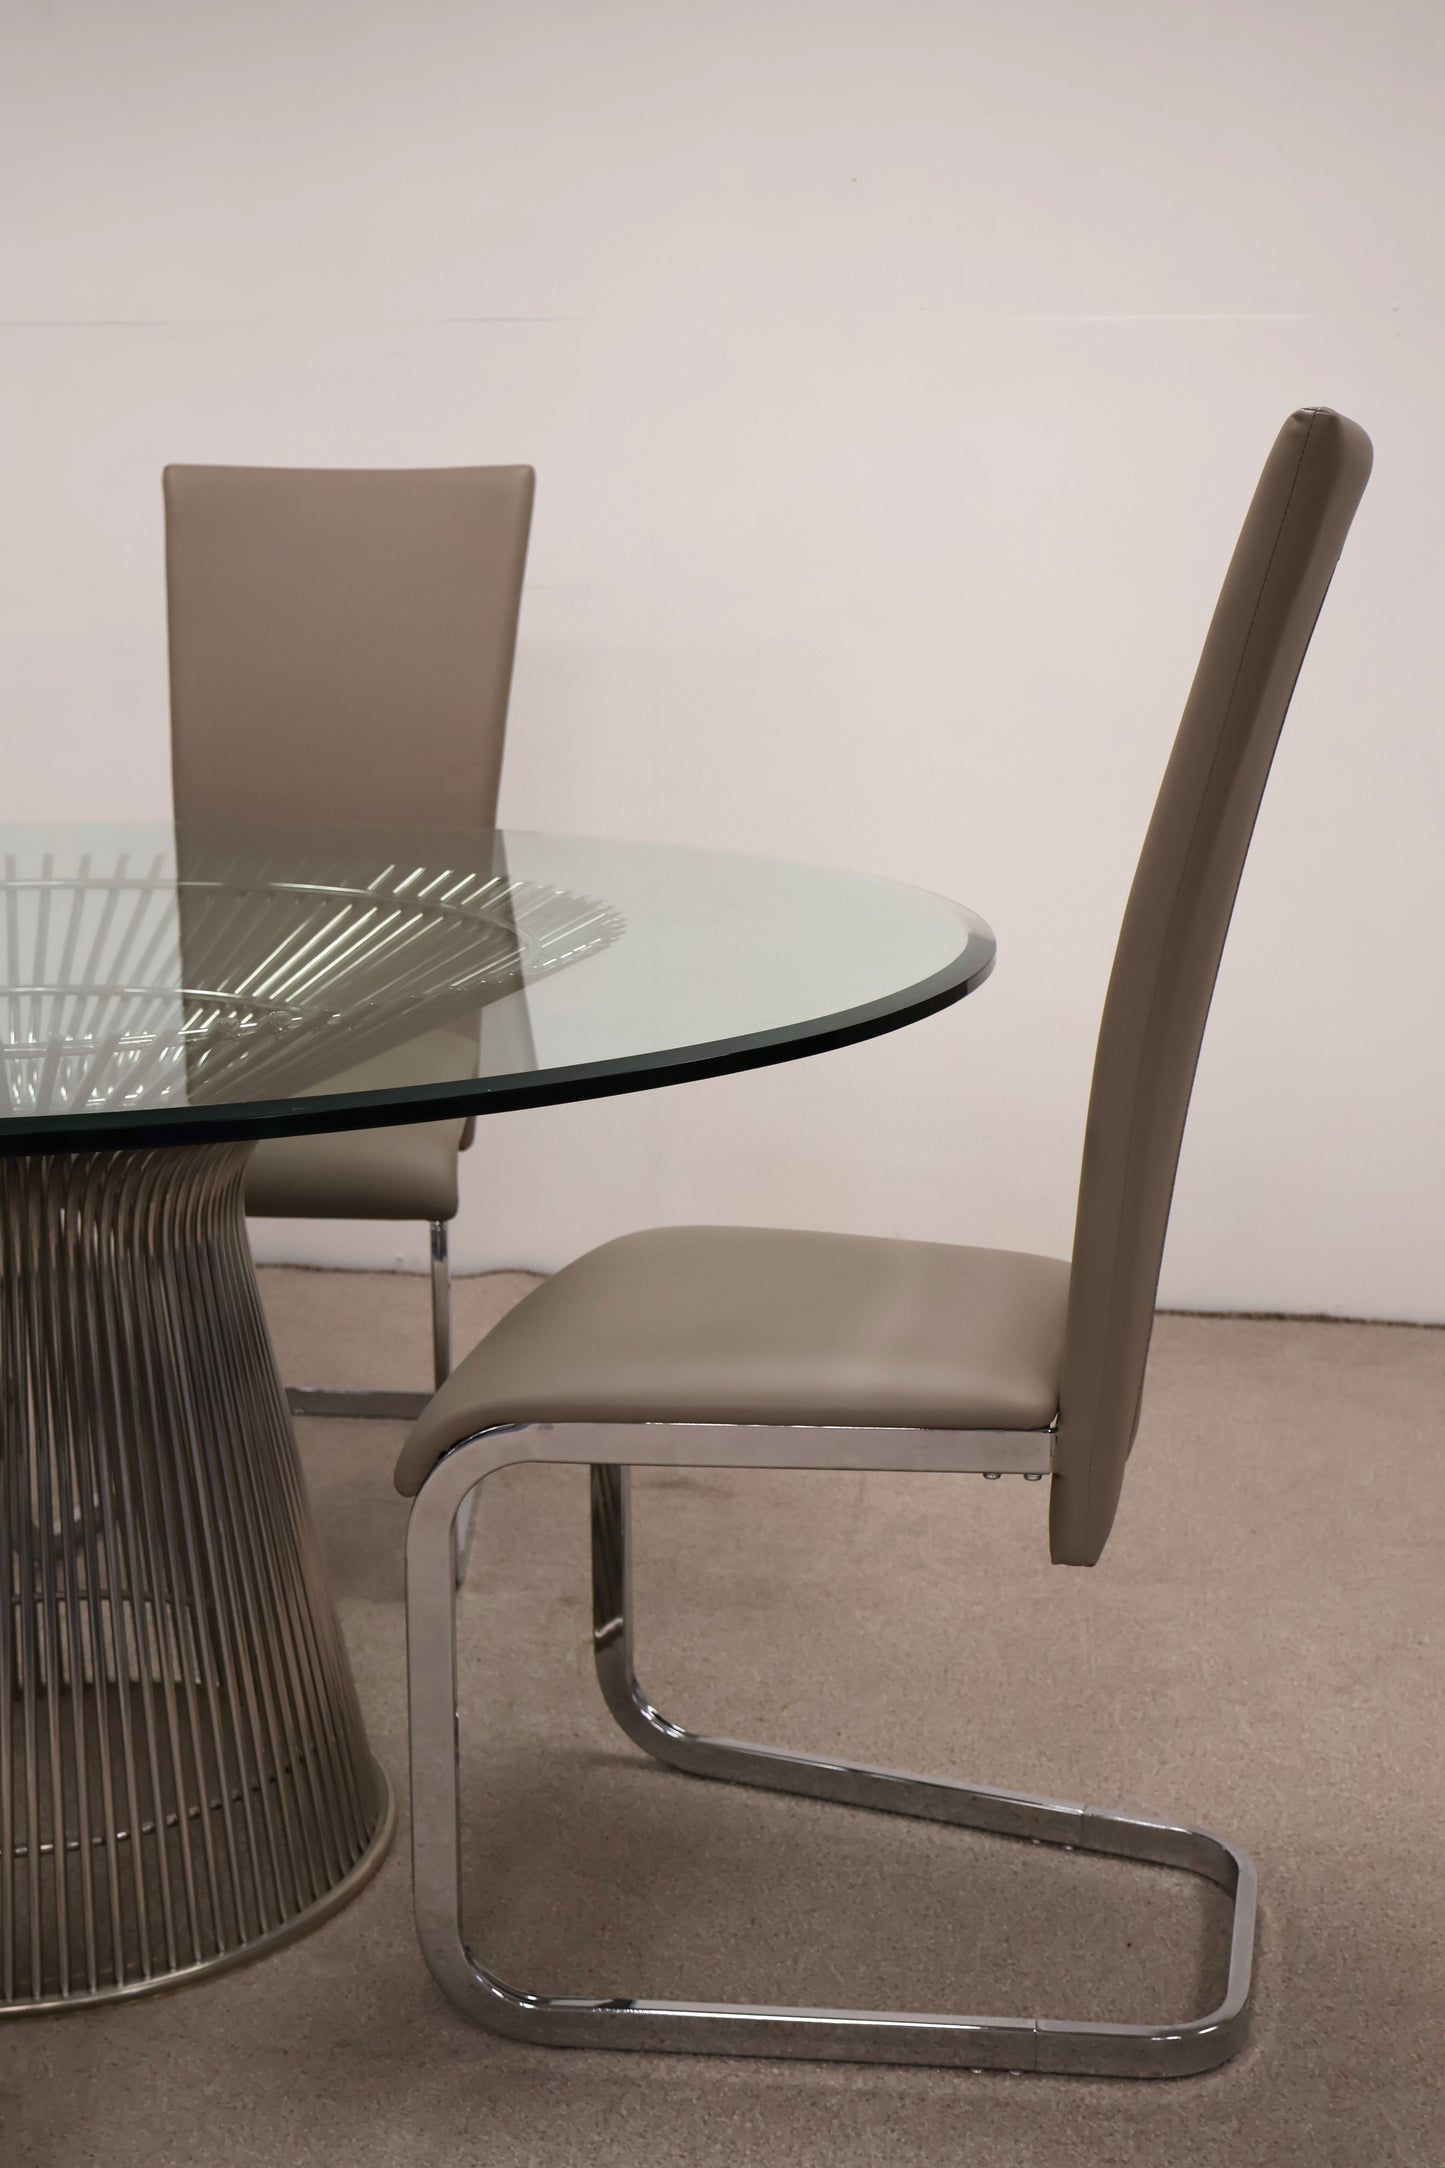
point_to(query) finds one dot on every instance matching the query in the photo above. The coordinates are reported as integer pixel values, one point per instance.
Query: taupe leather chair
(745, 1348)
(341, 650)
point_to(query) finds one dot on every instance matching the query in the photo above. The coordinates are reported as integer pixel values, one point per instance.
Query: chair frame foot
(1066, 2046)
(376, 1403)
(356, 1403)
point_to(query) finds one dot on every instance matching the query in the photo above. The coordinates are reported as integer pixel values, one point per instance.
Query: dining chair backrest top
(1169, 949)
(341, 642)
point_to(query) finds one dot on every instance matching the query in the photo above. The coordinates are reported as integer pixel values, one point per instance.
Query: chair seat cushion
(407, 1172)
(762, 1325)
(404, 1173)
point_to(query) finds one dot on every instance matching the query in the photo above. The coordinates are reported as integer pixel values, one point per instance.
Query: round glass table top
(168, 984)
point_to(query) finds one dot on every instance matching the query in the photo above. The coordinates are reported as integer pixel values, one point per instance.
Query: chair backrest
(1169, 950)
(341, 642)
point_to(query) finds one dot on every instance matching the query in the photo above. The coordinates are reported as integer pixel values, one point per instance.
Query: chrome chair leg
(1173, 2049)
(441, 1349)
(383, 1404)
(441, 1305)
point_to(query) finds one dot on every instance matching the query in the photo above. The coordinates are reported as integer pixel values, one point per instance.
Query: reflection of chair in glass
(738, 1347)
(341, 654)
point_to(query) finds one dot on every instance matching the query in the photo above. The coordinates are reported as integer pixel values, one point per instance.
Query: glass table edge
(244, 1122)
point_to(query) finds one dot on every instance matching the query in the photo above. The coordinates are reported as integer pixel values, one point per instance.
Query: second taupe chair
(341, 649)
(747, 1348)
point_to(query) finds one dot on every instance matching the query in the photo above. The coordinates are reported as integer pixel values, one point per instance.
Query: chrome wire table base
(1067, 2046)
(184, 1775)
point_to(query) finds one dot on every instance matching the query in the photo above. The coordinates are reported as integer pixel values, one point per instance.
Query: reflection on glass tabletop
(168, 984)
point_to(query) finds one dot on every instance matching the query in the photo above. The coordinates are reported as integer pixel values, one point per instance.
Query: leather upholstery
(341, 643)
(1169, 949)
(406, 1171)
(746, 1327)
(756, 1325)
(341, 650)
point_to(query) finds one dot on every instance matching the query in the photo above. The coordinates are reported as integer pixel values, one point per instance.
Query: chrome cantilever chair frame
(1170, 943)
(1069, 2046)
(378, 1402)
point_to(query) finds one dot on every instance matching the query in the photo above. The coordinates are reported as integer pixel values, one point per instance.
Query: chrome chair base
(376, 1404)
(393, 1407)
(1067, 2046)
(185, 1780)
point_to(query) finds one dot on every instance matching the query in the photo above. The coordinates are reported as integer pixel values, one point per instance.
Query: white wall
(896, 377)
